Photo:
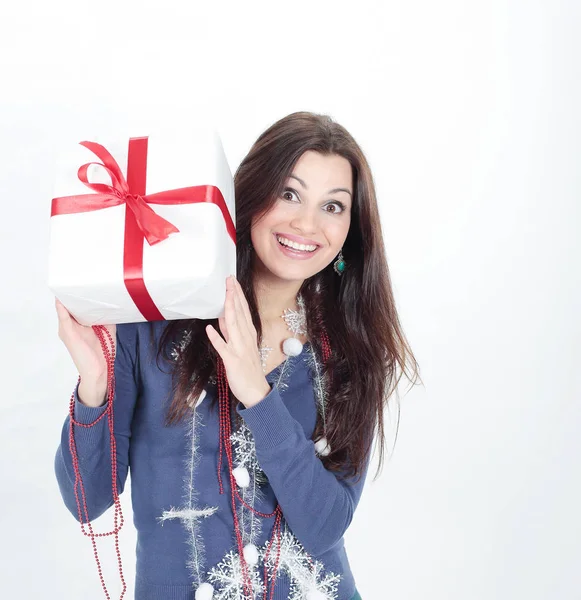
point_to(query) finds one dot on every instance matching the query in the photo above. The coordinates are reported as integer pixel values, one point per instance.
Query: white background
(469, 114)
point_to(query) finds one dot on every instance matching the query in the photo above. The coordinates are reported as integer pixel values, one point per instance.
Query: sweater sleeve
(317, 505)
(93, 443)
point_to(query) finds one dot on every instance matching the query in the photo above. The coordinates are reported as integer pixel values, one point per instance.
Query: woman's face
(313, 210)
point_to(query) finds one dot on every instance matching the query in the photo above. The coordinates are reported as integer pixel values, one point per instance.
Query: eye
(289, 192)
(336, 203)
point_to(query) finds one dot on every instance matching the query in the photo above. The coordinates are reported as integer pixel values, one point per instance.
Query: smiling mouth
(286, 244)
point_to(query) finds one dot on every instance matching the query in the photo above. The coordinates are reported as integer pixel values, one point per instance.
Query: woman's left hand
(239, 348)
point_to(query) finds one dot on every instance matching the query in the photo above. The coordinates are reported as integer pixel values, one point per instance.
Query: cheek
(268, 223)
(337, 232)
(260, 233)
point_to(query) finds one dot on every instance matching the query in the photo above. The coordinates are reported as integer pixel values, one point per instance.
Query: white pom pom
(292, 347)
(199, 400)
(251, 554)
(316, 595)
(205, 591)
(322, 447)
(242, 476)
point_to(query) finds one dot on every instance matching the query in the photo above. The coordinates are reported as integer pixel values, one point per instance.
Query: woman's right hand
(87, 354)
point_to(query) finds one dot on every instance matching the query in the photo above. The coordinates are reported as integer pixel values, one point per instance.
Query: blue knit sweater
(174, 470)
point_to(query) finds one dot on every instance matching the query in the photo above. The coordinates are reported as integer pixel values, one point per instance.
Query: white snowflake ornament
(292, 347)
(308, 577)
(316, 595)
(296, 320)
(228, 577)
(179, 347)
(322, 447)
(241, 476)
(264, 352)
(251, 554)
(205, 591)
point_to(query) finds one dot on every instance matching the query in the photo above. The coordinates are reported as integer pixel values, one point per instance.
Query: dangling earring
(339, 264)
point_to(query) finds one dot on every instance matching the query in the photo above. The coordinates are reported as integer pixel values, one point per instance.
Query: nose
(305, 220)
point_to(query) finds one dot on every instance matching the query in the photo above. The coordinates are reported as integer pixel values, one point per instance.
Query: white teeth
(296, 246)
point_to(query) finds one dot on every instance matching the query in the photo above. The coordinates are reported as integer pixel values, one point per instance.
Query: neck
(273, 295)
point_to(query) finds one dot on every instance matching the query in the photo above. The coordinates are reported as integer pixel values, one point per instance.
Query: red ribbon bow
(141, 221)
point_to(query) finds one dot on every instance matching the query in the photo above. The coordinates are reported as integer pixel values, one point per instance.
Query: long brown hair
(357, 309)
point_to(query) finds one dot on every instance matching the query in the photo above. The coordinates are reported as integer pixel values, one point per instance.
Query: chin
(287, 274)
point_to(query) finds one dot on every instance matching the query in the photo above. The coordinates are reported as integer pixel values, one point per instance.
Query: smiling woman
(251, 446)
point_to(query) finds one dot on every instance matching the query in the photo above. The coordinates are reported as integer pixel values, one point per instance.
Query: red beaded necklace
(225, 446)
(108, 350)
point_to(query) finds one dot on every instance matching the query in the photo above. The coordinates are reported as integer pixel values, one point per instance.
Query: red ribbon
(141, 221)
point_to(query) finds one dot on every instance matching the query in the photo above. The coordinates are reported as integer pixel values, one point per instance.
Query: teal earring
(339, 264)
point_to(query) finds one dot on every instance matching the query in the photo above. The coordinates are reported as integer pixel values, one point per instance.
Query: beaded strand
(225, 433)
(108, 348)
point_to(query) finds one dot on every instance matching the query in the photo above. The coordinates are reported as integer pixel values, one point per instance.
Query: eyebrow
(333, 191)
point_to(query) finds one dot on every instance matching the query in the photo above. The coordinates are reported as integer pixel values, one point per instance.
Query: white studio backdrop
(469, 115)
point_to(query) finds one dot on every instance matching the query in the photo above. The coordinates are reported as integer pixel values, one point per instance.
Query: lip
(297, 239)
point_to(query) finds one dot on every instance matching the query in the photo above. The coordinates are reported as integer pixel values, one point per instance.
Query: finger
(223, 328)
(217, 341)
(61, 311)
(230, 312)
(244, 304)
(241, 315)
(65, 321)
(65, 317)
(222, 317)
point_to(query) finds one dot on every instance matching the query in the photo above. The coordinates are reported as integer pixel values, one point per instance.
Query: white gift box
(184, 274)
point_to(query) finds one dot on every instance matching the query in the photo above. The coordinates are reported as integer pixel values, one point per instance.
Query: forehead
(323, 172)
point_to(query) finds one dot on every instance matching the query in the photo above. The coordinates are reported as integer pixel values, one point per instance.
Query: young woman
(249, 436)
